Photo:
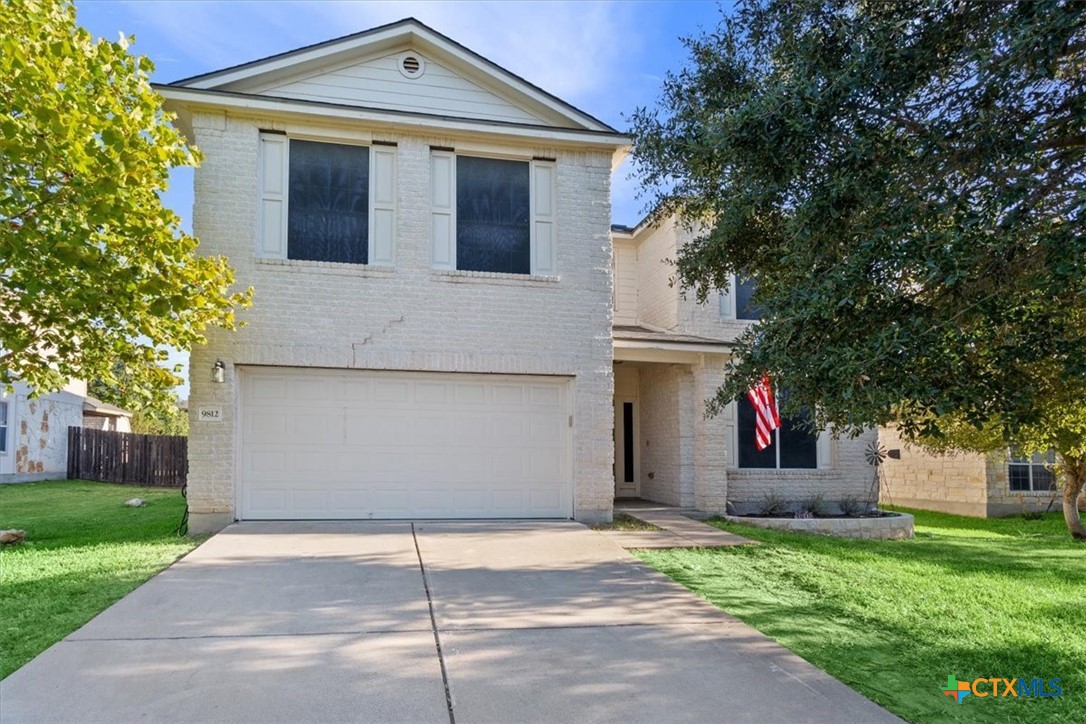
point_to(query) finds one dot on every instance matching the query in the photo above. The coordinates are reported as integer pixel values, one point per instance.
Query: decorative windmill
(876, 456)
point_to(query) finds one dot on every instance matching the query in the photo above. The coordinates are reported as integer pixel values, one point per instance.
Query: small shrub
(813, 507)
(773, 505)
(853, 506)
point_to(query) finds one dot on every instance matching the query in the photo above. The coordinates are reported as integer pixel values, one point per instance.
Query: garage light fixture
(218, 372)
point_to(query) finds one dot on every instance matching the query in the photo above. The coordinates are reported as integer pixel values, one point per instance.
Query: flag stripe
(766, 419)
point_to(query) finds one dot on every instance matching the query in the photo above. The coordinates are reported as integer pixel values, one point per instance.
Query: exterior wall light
(218, 372)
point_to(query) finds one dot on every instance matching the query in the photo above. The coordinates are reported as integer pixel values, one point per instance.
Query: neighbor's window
(793, 447)
(738, 303)
(1033, 473)
(325, 201)
(3, 427)
(492, 214)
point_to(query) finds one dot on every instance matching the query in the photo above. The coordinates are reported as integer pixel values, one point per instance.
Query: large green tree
(94, 271)
(906, 182)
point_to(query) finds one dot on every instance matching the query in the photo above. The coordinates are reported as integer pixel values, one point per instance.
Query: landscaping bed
(84, 550)
(967, 598)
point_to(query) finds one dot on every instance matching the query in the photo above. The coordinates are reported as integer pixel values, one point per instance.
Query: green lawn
(969, 598)
(83, 550)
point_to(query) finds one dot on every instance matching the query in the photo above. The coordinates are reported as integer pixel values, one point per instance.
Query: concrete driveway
(431, 622)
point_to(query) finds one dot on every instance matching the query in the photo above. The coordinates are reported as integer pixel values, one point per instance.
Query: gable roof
(266, 74)
(94, 406)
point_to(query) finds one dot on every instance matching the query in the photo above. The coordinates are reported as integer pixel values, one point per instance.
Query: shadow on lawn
(899, 666)
(1000, 556)
(862, 610)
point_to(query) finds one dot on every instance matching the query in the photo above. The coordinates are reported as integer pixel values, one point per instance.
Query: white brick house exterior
(408, 314)
(405, 380)
(670, 353)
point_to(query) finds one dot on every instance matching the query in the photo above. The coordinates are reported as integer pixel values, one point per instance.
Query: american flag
(766, 419)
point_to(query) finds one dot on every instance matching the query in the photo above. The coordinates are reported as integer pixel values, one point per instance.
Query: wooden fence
(126, 457)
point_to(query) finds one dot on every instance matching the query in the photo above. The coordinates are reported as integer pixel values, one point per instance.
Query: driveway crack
(433, 625)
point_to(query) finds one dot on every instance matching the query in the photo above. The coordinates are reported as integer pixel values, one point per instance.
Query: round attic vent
(411, 65)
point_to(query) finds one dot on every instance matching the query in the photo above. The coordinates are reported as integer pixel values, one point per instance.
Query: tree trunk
(1075, 478)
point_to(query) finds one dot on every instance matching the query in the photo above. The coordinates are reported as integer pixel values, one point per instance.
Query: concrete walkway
(676, 530)
(431, 622)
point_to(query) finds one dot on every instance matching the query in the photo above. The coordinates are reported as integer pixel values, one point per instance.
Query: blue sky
(606, 58)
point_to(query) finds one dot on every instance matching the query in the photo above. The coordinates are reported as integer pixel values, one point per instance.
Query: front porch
(666, 450)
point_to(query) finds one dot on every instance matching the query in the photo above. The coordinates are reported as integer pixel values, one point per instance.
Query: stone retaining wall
(894, 527)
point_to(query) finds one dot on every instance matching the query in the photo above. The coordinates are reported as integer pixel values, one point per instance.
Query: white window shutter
(544, 218)
(727, 300)
(731, 425)
(274, 164)
(825, 450)
(442, 209)
(382, 241)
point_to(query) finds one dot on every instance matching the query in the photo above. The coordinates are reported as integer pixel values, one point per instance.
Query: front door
(625, 448)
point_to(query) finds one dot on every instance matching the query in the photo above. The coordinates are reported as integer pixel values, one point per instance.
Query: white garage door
(362, 444)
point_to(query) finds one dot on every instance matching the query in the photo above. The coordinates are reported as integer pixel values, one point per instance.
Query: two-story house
(435, 332)
(427, 235)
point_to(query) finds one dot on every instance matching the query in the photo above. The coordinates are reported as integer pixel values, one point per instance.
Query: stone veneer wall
(1004, 501)
(38, 435)
(891, 527)
(955, 483)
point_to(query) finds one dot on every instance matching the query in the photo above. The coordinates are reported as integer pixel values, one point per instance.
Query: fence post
(73, 452)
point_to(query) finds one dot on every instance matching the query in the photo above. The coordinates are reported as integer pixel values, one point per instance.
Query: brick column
(710, 439)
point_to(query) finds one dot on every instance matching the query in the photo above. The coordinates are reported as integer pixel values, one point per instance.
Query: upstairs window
(738, 302)
(492, 215)
(793, 447)
(328, 213)
(322, 201)
(1031, 473)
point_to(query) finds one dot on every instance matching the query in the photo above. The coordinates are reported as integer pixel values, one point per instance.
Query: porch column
(710, 439)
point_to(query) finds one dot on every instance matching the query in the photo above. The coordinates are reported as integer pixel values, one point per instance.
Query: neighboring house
(969, 483)
(34, 432)
(669, 356)
(429, 241)
(104, 416)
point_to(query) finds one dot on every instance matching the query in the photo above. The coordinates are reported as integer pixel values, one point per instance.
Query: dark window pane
(744, 299)
(3, 427)
(749, 455)
(328, 205)
(1043, 478)
(1018, 476)
(493, 232)
(799, 447)
(627, 442)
